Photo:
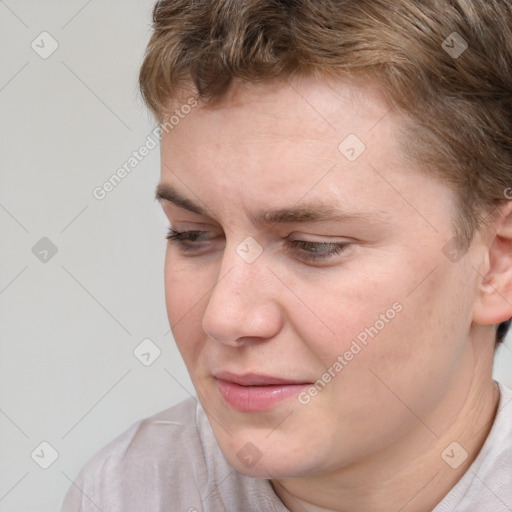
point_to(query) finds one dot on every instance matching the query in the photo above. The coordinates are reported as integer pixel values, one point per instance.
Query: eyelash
(182, 237)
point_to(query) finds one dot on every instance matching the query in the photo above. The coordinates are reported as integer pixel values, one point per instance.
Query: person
(337, 178)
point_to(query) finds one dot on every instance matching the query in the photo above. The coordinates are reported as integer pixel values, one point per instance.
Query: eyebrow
(309, 212)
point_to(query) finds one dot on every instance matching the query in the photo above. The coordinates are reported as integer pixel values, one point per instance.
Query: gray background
(69, 324)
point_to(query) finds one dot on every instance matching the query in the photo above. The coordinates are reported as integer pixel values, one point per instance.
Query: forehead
(325, 104)
(306, 122)
(286, 142)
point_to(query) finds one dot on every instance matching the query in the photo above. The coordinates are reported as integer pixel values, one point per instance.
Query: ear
(494, 300)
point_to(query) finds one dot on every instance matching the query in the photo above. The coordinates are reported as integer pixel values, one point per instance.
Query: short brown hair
(446, 64)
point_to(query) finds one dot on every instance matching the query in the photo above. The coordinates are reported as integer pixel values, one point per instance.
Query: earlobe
(494, 302)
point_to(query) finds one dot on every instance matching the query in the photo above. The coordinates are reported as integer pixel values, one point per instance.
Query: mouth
(254, 392)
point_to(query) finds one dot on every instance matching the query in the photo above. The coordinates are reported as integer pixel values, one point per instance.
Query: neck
(415, 474)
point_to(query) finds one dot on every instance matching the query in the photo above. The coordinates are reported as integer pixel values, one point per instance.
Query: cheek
(393, 315)
(184, 304)
(344, 310)
(425, 343)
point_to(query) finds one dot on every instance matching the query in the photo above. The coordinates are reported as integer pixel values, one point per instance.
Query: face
(313, 298)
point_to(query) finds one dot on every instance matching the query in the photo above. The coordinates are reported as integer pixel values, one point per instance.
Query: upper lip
(255, 379)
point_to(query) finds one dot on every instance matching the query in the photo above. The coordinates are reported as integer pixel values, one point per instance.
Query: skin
(372, 439)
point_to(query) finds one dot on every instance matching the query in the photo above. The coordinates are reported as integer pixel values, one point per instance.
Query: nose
(243, 304)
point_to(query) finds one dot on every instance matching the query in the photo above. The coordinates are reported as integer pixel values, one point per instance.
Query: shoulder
(150, 437)
(168, 461)
(141, 460)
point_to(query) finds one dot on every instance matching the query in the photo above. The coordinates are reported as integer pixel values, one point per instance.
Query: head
(347, 165)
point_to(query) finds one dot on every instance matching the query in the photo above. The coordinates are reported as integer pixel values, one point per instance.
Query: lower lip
(256, 398)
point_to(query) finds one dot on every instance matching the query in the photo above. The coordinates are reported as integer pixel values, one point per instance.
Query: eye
(316, 251)
(302, 249)
(186, 239)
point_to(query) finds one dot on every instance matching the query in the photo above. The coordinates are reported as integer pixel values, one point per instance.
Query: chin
(268, 469)
(264, 460)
